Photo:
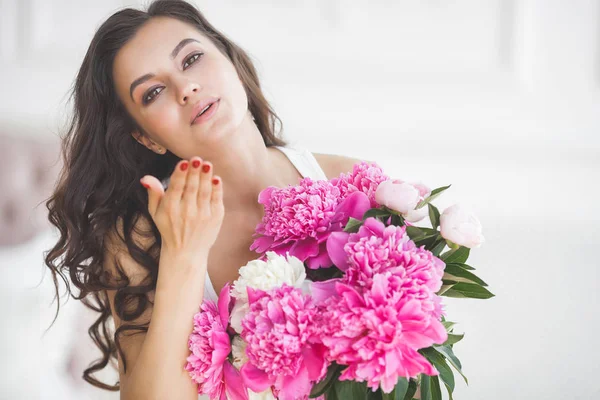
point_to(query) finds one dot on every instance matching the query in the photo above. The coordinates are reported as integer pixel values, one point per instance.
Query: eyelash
(145, 99)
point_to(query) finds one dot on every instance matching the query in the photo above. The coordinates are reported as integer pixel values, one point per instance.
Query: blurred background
(500, 98)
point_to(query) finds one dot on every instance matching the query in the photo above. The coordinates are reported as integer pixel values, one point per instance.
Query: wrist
(183, 258)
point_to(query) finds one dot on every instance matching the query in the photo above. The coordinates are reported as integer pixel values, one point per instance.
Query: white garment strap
(305, 162)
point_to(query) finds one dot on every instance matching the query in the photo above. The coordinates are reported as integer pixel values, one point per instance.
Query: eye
(151, 94)
(191, 59)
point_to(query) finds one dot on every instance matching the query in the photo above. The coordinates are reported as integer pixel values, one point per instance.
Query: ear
(147, 142)
(139, 137)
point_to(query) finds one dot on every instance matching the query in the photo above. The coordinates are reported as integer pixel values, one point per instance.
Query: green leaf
(438, 247)
(452, 339)
(414, 232)
(399, 390)
(331, 394)
(452, 359)
(448, 324)
(436, 390)
(439, 362)
(468, 290)
(412, 389)
(425, 387)
(397, 220)
(429, 231)
(427, 240)
(434, 193)
(457, 271)
(464, 266)
(353, 225)
(447, 285)
(350, 389)
(434, 216)
(333, 372)
(376, 395)
(456, 256)
(449, 392)
(375, 212)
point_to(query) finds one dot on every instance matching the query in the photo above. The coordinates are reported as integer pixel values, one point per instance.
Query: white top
(307, 166)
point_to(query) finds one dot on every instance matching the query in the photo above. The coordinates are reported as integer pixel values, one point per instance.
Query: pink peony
(299, 219)
(210, 345)
(377, 248)
(283, 351)
(377, 333)
(365, 177)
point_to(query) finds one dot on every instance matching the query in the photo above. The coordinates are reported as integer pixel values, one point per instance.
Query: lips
(201, 105)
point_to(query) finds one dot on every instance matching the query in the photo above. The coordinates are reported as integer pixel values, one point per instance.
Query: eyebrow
(173, 54)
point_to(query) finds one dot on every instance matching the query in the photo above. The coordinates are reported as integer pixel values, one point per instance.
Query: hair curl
(99, 182)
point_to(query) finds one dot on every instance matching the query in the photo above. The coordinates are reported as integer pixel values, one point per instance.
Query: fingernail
(206, 167)
(196, 163)
(184, 166)
(144, 184)
(215, 181)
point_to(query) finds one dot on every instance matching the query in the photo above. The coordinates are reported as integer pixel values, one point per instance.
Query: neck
(247, 166)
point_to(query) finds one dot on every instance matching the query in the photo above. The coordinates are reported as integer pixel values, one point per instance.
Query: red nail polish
(215, 181)
(196, 163)
(146, 185)
(184, 166)
(206, 167)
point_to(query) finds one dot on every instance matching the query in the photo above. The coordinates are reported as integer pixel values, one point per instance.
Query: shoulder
(333, 164)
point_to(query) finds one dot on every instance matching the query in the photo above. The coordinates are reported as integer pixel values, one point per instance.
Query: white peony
(265, 275)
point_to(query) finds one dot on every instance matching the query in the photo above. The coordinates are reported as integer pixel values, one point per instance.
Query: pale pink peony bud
(459, 225)
(403, 197)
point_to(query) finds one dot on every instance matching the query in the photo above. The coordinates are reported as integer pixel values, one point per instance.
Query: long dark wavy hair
(99, 182)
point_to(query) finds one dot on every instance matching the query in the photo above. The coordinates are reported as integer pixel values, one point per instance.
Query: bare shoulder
(333, 164)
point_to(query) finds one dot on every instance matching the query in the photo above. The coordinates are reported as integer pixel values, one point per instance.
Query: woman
(165, 97)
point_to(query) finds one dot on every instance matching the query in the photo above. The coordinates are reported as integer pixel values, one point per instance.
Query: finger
(205, 191)
(192, 183)
(177, 184)
(216, 201)
(155, 192)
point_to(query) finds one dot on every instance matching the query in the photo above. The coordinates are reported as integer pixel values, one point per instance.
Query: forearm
(159, 371)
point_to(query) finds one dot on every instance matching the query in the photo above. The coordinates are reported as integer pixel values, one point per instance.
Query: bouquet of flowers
(345, 300)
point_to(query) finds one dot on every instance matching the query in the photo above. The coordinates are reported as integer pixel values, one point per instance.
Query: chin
(212, 132)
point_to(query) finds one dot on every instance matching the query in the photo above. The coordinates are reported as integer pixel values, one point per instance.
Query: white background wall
(500, 98)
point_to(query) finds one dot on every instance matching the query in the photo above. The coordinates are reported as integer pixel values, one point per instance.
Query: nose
(187, 90)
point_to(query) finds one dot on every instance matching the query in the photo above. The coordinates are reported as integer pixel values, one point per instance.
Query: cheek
(232, 87)
(164, 121)
(239, 99)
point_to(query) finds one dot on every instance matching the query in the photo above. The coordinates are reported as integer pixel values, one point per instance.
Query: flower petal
(355, 206)
(222, 347)
(234, 384)
(262, 244)
(254, 378)
(322, 290)
(335, 249)
(315, 361)
(295, 386)
(224, 300)
(304, 249)
(320, 261)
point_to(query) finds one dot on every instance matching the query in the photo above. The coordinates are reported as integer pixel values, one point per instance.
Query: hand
(190, 213)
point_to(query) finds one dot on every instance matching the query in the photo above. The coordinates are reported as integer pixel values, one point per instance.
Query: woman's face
(163, 72)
